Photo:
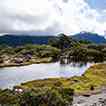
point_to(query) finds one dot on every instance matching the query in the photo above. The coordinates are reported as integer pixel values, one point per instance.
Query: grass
(94, 77)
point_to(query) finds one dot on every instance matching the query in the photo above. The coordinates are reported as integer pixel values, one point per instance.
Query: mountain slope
(16, 40)
(88, 36)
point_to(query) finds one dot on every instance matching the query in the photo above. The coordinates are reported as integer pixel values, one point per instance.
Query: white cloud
(52, 16)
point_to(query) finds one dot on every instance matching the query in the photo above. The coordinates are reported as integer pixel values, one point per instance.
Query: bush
(43, 97)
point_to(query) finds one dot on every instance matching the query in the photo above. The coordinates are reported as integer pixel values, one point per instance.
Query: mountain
(16, 40)
(88, 36)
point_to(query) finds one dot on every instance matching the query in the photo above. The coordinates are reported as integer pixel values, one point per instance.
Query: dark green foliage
(85, 53)
(62, 41)
(27, 53)
(79, 54)
(19, 40)
(84, 42)
(39, 97)
(8, 97)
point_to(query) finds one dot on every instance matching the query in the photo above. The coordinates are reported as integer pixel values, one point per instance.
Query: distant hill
(88, 36)
(16, 40)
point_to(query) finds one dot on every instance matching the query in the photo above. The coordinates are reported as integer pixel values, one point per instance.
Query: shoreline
(89, 81)
(37, 62)
(27, 63)
(74, 79)
(89, 89)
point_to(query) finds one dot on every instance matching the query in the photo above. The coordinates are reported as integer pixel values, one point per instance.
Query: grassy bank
(93, 78)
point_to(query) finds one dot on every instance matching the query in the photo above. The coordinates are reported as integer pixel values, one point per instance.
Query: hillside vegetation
(78, 51)
(60, 49)
(23, 39)
(27, 54)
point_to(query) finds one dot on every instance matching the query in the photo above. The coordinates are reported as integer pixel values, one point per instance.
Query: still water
(11, 76)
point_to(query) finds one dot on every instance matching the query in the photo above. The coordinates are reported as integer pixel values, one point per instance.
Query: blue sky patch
(97, 4)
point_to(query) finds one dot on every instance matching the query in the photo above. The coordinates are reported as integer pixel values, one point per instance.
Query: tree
(62, 41)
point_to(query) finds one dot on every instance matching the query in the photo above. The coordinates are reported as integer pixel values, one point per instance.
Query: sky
(50, 17)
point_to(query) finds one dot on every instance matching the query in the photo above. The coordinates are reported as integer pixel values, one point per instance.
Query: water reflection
(12, 76)
(76, 64)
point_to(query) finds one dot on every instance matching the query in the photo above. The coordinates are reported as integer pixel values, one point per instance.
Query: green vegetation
(78, 51)
(84, 42)
(62, 42)
(37, 97)
(27, 54)
(58, 48)
(85, 53)
(94, 77)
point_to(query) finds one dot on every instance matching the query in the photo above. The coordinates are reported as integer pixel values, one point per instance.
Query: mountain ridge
(16, 40)
(89, 36)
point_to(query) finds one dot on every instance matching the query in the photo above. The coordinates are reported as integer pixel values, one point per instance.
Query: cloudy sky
(52, 16)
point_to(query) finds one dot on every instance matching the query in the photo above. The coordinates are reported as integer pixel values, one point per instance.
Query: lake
(11, 76)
